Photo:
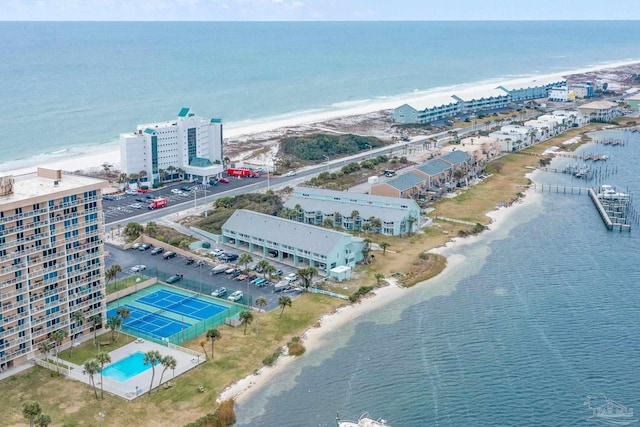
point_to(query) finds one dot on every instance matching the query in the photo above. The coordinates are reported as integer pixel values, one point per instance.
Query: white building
(512, 137)
(561, 94)
(600, 111)
(524, 90)
(190, 143)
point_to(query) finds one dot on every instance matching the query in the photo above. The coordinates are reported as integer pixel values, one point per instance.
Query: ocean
(539, 313)
(532, 318)
(70, 88)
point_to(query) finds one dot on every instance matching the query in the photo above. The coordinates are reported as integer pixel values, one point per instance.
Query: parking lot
(195, 277)
(118, 207)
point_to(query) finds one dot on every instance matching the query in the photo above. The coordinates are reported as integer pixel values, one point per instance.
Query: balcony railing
(14, 354)
(24, 241)
(55, 315)
(28, 251)
(39, 332)
(14, 330)
(22, 215)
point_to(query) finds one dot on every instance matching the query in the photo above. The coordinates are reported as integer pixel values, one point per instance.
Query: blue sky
(316, 10)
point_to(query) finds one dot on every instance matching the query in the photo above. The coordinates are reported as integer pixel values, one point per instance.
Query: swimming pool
(126, 368)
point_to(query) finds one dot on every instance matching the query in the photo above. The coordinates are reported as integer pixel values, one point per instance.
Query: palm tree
(133, 230)
(306, 274)
(114, 323)
(202, 344)
(379, 277)
(384, 246)
(152, 358)
(45, 347)
(95, 320)
(262, 264)
(76, 317)
(124, 314)
(260, 302)
(168, 362)
(246, 317)
(151, 228)
(354, 218)
(112, 273)
(376, 224)
(213, 334)
(31, 410)
(102, 358)
(284, 301)
(43, 420)
(57, 337)
(411, 220)
(91, 367)
(245, 259)
(269, 269)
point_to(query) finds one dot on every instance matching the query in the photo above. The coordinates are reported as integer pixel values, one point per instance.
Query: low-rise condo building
(600, 111)
(301, 245)
(354, 211)
(51, 261)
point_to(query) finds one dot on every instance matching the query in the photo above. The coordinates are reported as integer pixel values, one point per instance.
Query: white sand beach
(235, 131)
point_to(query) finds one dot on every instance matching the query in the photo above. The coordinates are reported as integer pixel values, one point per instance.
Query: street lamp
(102, 415)
(327, 159)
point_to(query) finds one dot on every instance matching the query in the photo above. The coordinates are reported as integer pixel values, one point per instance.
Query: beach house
(354, 211)
(51, 261)
(474, 101)
(406, 186)
(189, 146)
(293, 242)
(428, 110)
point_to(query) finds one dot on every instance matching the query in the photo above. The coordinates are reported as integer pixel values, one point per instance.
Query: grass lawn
(236, 356)
(87, 350)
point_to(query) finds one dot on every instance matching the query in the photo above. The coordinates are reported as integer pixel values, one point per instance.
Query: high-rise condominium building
(51, 260)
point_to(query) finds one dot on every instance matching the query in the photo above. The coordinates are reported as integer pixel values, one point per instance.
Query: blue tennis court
(149, 323)
(181, 304)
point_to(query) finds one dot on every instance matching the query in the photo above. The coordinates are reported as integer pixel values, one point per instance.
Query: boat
(363, 421)
(609, 192)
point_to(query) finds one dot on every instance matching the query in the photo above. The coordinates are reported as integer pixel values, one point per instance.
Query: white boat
(609, 192)
(363, 421)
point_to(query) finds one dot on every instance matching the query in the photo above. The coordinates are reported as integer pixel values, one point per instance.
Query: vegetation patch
(364, 290)
(271, 359)
(427, 265)
(223, 416)
(476, 229)
(315, 147)
(295, 347)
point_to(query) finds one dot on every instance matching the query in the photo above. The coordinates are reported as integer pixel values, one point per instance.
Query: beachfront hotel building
(354, 211)
(51, 260)
(470, 102)
(293, 242)
(190, 144)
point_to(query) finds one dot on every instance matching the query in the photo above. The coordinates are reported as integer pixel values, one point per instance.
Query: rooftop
(46, 182)
(299, 191)
(344, 208)
(433, 167)
(405, 181)
(535, 82)
(599, 105)
(456, 157)
(434, 101)
(471, 95)
(284, 231)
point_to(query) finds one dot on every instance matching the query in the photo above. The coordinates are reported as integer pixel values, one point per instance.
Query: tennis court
(165, 313)
(177, 303)
(150, 323)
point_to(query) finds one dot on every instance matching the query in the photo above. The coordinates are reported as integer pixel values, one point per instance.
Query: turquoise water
(126, 368)
(70, 87)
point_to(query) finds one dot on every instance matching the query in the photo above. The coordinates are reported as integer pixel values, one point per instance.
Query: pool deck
(139, 384)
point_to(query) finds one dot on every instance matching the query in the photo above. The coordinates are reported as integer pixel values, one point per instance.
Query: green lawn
(121, 284)
(87, 350)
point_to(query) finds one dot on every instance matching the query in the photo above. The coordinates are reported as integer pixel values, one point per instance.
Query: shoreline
(314, 336)
(239, 131)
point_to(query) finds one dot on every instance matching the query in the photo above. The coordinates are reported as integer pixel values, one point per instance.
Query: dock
(612, 212)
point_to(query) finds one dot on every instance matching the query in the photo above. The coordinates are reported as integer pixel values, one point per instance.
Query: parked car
(219, 292)
(157, 250)
(223, 180)
(229, 270)
(216, 252)
(176, 191)
(139, 267)
(136, 205)
(190, 261)
(142, 200)
(292, 277)
(236, 296)
(236, 272)
(142, 190)
(200, 262)
(136, 246)
(149, 196)
(173, 279)
(278, 273)
(144, 247)
(290, 173)
(185, 188)
(241, 277)
(228, 257)
(169, 255)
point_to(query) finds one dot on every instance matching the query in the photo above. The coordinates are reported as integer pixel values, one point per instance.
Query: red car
(142, 190)
(223, 180)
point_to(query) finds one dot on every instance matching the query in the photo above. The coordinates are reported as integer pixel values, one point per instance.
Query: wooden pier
(613, 212)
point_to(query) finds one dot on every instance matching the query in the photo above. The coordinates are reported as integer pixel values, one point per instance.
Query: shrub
(295, 347)
(360, 292)
(271, 359)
